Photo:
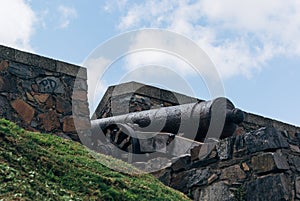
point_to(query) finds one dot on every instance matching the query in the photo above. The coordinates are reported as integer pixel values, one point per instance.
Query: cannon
(217, 118)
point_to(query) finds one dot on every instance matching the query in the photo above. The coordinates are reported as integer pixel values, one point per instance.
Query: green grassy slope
(36, 166)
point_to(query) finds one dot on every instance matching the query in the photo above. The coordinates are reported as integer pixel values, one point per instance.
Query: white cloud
(17, 24)
(239, 36)
(97, 87)
(67, 14)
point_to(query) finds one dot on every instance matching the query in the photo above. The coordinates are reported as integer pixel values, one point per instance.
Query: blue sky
(255, 45)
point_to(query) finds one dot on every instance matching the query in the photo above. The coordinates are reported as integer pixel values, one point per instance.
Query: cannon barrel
(218, 117)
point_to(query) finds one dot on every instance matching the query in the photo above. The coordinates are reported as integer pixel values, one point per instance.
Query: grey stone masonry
(43, 94)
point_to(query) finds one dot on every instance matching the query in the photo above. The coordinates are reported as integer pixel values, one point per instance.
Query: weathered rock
(216, 192)
(264, 139)
(7, 83)
(49, 120)
(212, 178)
(80, 108)
(23, 71)
(68, 124)
(245, 167)
(225, 148)
(79, 95)
(295, 160)
(294, 148)
(71, 124)
(164, 175)
(3, 65)
(35, 60)
(233, 173)
(271, 187)
(268, 162)
(181, 163)
(195, 153)
(50, 84)
(4, 107)
(183, 181)
(297, 187)
(41, 98)
(63, 106)
(25, 111)
(29, 97)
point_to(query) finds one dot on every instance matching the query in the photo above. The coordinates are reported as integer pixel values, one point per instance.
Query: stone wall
(260, 162)
(37, 93)
(260, 165)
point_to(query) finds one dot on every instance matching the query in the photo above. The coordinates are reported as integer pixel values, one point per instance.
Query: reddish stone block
(49, 120)
(41, 98)
(3, 65)
(71, 125)
(68, 125)
(25, 111)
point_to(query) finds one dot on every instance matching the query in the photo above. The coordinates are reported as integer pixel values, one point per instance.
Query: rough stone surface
(181, 163)
(295, 160)
(164, 175)
(225, 148)
(233, 173)
(25, 111)
(268, 162)
(183, 181)
(216, 192)
(41, 98)
(270, 187)
(79, 95)
(297, 187)
(49, 120)
(3, 65)
(68, 125)
(63, 106)
(264, 139)
(50, 84)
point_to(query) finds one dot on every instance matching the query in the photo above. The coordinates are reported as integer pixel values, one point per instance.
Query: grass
(36, 166)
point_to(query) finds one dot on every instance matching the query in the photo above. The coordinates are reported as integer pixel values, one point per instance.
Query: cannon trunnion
(216, 118)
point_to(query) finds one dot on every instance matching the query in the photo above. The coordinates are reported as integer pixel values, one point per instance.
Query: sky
(254, 45)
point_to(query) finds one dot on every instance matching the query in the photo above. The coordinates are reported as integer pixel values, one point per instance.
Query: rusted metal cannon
(217, 118)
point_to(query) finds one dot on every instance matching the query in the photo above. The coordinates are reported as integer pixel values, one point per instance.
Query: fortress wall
(37, 93)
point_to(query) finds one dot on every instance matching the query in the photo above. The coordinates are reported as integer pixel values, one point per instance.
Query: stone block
(295, 161)
(184, 180)
(181, 163)
(23, 109)
(7, 53)
(163, 175)
(35, 60)
(41, 98)
(233, 173)
(267, 162)
(63, 106)
(264, 139)
(225, 148)
(5, 108)
(50, 84)
(216, 192)
(23, 71)
(49, 120)
(271, 187)
(297, 187)
(72, 125)
(3, 65)
(8, 83)
(79, 95)
(70, 69)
